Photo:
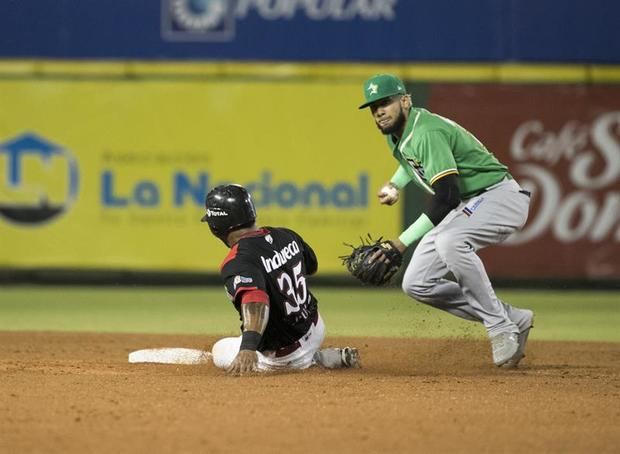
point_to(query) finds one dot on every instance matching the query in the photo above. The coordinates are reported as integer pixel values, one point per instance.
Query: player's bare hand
(246, 362)
(388, 194)
(380, 256)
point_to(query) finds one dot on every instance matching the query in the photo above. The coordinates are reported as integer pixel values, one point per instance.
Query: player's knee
(409, 288)
(405, 287)
(224, 351)
(413, 284)
(417, 290)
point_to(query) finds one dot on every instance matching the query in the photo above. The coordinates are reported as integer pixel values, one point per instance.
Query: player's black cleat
(350, 357)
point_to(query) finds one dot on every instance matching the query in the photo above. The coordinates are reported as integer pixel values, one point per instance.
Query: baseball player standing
(476, 203)
(265, 278)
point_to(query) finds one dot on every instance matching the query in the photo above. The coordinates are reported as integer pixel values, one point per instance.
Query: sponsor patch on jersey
(472, 206)
(241, 280)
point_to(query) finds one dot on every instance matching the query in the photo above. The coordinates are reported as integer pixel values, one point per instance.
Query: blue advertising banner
(312, 30)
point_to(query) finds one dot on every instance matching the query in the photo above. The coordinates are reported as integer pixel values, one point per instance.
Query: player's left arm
(246, 284)
(255, 314)
(447, 197)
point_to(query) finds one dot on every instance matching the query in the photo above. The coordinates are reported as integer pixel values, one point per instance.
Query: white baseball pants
(481, 221)
(225, 350)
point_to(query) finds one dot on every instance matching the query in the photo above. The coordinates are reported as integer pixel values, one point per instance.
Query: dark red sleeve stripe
(241, 290)
(254, 296)
(231, 255)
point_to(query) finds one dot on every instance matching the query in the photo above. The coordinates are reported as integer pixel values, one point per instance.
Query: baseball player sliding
(476, 203)
(265, 278)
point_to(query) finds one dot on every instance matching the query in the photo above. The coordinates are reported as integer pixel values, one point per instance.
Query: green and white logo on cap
(382, 86)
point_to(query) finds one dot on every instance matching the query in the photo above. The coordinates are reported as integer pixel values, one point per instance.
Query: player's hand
(374, 262)
(388, 194)
(246, 362)
(380, 254)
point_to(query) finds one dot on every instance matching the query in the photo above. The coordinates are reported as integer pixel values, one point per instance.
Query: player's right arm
(389, 192)
(442, 173)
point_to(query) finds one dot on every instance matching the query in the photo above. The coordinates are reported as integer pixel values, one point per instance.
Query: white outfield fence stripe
(170, 356)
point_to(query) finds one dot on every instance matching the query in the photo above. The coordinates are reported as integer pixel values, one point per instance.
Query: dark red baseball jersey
(273, 263)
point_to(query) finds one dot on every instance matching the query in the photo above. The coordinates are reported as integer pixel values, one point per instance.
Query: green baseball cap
(382, 86)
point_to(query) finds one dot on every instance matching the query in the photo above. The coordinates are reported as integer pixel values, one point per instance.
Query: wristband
(250, 340)
(400, 178)
(417, 230)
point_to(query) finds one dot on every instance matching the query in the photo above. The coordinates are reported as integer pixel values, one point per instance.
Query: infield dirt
(76, 393)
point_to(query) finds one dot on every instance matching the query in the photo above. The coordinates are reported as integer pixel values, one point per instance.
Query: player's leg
(302, 357)
(494, 215)
(458, 253)
(424, 280)
(310, 353)
(524, 319)
(485, 220)
(225, 350)
(338, 358)
(331, 358)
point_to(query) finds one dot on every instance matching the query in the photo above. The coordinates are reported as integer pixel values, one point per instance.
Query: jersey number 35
(294, 288)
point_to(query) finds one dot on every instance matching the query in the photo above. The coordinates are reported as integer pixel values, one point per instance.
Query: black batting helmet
(229, 207)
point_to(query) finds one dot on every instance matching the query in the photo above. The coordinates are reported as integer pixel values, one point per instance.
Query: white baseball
(390, 191)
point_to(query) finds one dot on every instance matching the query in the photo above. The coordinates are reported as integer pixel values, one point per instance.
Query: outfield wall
(105, 165)
(313, 30)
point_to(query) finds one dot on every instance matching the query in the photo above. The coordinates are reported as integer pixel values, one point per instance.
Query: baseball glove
(373, 262)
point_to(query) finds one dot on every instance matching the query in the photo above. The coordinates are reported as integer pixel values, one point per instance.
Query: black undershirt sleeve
(447, 197)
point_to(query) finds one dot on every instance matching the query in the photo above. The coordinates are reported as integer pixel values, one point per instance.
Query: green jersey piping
(422, 183)
(410, 136)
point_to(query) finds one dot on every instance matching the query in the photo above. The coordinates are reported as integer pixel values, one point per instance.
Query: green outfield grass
(566, 315)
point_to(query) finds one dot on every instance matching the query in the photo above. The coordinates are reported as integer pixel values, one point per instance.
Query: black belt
(295, 345)
(509, 177)
(522, 191)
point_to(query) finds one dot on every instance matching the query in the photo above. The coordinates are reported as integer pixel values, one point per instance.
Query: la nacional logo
(38, 180)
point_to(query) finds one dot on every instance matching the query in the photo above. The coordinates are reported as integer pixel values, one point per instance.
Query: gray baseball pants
(478, 222)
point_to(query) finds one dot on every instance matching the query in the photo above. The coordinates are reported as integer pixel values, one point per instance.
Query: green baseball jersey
(433, 146)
